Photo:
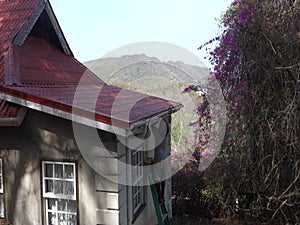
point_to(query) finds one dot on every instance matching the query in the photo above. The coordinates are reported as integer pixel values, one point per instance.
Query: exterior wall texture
(42, 137)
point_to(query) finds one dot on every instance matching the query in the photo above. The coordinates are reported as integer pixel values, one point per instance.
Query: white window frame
(137, 175)
(1, 175)
(48, 196)
(2, 190)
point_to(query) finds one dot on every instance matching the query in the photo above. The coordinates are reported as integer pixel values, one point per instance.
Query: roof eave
(65, 115)
(16, 121)
(152, 118)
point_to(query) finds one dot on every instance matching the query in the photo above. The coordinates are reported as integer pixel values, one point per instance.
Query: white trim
(2, 192)
(65, 115)
(54, 211)
(135, 181)
(155, 117)
(59, 196)
(1, 179)
(56, 198)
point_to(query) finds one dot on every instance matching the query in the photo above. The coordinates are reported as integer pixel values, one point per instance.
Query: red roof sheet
(13, 15)
(40, 63)
(108, 104)
(41, 73)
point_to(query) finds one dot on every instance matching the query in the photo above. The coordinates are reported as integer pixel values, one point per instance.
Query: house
(71, 147)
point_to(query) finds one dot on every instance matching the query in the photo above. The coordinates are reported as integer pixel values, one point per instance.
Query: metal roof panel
(39, 72)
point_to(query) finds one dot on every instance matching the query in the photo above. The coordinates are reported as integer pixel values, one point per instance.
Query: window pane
(137, 173)
(69, 188)
(62, 218)
(139, 197)
(58, 170)
(48, 170)
(1, 178)
(72, 207)
(69, 172)
(137, 179)
(58, 187)
(136, 158)
(62, 205)
(133, 173)
(51, 204)
(72, 220)
(140, 159)
(135, 203)
(49, 186)
(52, 219)
(67, 219)
(1, 206)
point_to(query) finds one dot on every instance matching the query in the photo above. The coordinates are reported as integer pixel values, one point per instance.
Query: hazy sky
(95, 27)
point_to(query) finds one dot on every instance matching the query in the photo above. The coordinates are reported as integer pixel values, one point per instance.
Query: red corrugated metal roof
(41, 73)
(49, 77)
(107, 104)
(13, 16)
(43, 64)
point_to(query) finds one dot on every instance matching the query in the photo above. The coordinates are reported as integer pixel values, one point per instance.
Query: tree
(257, 62)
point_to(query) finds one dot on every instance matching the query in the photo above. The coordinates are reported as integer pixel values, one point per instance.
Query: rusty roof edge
(150, 119)
(65, 115)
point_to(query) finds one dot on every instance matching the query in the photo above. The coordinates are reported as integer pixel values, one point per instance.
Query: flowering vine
(256, 61)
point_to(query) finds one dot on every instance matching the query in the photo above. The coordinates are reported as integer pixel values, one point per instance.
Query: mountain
(130, 68)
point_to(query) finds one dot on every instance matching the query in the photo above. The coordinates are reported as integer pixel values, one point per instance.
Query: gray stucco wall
(41, 137)
(45, 137)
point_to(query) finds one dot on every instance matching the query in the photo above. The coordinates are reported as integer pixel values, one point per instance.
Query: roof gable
(43, 29)
(43, 24)
(22, 18)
